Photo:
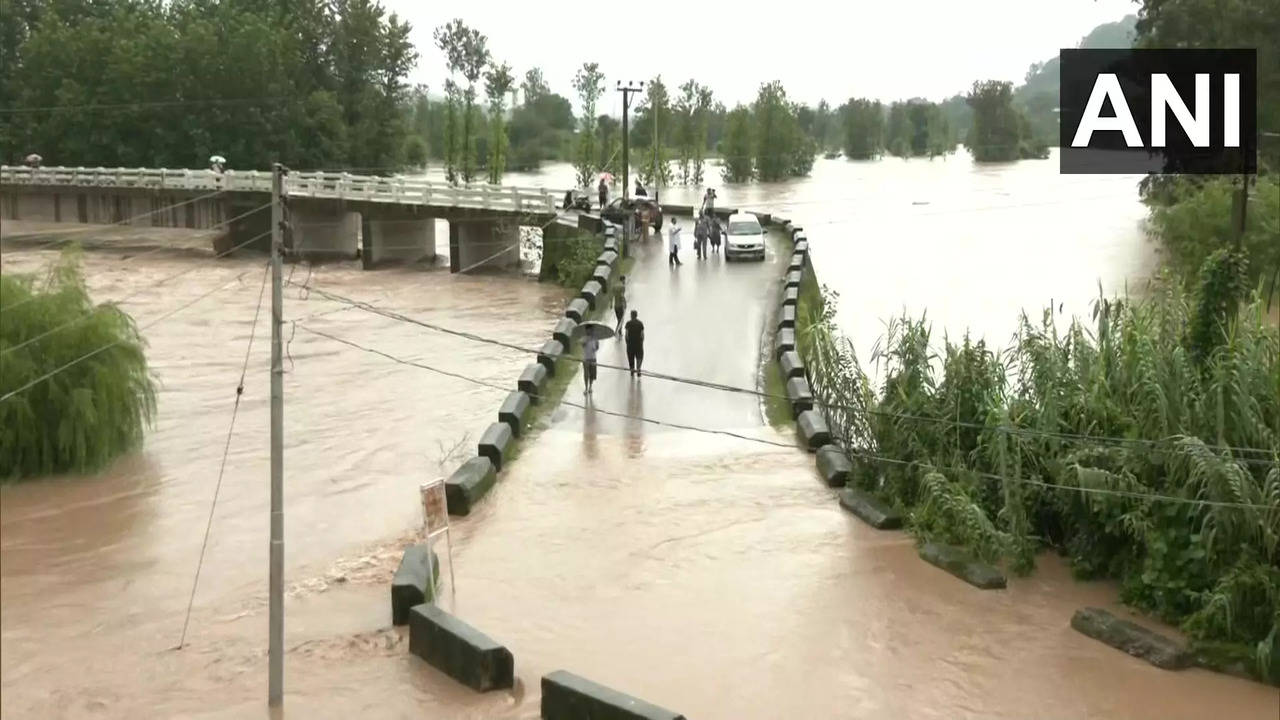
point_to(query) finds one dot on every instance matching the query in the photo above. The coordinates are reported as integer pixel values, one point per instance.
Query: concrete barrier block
(794, 277)
(495, 442)
(513, 410)
(566, 696)
(791, 364)
(459, 650)
(577, 310)
(834, 465)
(870, 509)
(796, 263)
(1157, 649)
(796, 230)
(549, 353)
(410, 585)
(563, 331)
(471, 481)
(813, 429)
(532, 380)
(608, 257)
(787, 318)
(610, 229)
(964, 566)
(591, 292)
(801, 397)
(802, 247)
(785, 342)
(611, 243)
(601, 275)
(791, 296)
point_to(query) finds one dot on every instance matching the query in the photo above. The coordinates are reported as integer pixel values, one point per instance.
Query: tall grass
(84, 416)
(964, 438)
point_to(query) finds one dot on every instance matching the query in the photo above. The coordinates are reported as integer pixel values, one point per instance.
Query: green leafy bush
(89, 410)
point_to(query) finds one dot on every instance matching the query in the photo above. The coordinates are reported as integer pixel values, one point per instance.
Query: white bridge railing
(344, 186)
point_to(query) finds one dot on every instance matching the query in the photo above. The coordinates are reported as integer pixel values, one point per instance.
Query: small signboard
(435, 507)
(435, 520)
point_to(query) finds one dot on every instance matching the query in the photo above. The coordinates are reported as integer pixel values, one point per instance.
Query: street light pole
(627, 91)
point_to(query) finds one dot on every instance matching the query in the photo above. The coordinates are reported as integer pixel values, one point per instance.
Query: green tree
(88, 393)
(534, 85)
(466, 53)
(863, 121)
(996, 134)
(589, 84)
(736, 147)
(313, 83)
(1219, 24)
(415, 152)
(498, 81)
(452, 131)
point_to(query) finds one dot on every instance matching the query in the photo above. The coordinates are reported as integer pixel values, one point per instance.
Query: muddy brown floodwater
(711, 574)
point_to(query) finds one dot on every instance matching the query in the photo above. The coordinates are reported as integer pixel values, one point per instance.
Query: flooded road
(709, 574)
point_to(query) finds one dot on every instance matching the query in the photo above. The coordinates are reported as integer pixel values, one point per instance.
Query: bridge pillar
(323, 229)
(475, 244)
(396, 235)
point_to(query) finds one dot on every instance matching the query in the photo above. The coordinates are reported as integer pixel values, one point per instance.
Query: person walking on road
(620, 303)
(604, 194)
(589, 347)
(635, 343)
(700, 237)
(715, 235)
(674, 235)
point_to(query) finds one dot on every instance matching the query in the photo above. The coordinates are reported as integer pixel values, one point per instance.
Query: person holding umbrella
(592, 332)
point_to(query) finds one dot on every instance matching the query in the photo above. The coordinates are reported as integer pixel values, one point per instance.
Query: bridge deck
(398, 190)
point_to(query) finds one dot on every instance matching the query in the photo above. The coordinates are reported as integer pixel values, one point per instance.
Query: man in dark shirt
(635, 343)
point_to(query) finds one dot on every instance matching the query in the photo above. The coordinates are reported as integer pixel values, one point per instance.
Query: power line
(162, 281)
(226, 450)
(763, 441)
(126, 221)
(137, 105)
(110, 345)
(730, 388)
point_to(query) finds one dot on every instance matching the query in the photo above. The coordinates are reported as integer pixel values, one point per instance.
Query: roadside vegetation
(99, 396)
(1064, 439)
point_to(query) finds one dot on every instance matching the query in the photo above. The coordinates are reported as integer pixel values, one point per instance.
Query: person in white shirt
(674, 234)
(589, 347)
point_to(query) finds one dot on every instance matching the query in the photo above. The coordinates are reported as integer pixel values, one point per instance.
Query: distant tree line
(323, 84)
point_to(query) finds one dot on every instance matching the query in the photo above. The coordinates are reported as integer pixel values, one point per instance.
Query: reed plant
(99, 396)
(1143, 443)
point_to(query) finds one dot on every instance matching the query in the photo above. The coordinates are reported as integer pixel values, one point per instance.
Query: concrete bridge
(388, 219)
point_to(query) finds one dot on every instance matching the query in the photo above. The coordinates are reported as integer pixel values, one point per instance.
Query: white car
(745, 238)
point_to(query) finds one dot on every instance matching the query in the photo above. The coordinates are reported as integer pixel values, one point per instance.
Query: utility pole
(1241, 209)
(275, 643)
(627, 91)
(657, 139)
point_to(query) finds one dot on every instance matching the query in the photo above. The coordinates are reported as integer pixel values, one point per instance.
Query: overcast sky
(889, 50)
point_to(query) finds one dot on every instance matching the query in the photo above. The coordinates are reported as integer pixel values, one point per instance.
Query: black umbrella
(598, 330)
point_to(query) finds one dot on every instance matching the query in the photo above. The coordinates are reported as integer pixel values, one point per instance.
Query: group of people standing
(707, 233)
(632, 331)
